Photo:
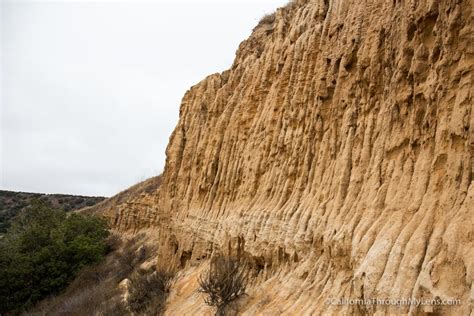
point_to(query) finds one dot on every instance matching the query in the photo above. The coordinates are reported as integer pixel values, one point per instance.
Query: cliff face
(336, 153)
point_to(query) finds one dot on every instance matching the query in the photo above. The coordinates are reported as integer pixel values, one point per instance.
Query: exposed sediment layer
(336, 153)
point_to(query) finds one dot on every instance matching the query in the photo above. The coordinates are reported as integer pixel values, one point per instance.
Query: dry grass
(88, 301)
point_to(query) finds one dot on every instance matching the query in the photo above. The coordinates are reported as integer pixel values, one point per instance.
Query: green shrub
(42, 251)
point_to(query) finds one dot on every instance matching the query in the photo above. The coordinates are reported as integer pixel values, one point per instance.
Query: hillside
(12, 202)
(336, 155)
(135, 198)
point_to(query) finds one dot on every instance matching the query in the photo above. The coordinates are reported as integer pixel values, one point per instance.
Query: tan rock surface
(336, 153)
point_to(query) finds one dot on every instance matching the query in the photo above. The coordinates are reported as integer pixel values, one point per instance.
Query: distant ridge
(12, 202)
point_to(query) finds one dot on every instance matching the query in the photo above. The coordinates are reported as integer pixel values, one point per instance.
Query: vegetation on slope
(55, 263)
(11, 203)
(43, 250)
(116, 286)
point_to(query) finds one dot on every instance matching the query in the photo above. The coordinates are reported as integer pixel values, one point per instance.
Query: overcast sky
(90, 90)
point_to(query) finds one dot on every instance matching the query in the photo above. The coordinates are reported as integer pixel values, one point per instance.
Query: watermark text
(394, 301)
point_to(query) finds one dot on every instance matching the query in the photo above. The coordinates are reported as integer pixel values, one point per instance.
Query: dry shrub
(224, 282)
(129, 259)
(267, 19)
(148, 291)
(293, 4)
(114, 242)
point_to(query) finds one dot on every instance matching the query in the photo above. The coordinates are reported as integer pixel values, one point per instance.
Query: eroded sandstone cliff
(336, 154)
